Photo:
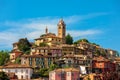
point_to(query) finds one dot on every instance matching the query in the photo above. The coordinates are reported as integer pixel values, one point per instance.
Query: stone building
(50, 38)
(37, 61)
(51, 51)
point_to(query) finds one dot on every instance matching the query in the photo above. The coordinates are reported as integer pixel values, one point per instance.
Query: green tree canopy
(44, 72)
(4, 57)
(3, 76)
(52, 67)
(18, 60)
(69, 39)
(81, 40)
(24, 45)
(95, 44)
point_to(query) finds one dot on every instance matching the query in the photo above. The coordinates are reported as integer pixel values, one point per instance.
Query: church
(52, 39)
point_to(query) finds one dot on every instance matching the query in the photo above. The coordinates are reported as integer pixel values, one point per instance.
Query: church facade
(52, 39)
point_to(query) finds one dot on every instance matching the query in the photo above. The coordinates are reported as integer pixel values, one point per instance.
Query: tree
(44, 72)
(97, 52)
(24, 45)
(69, 39)
(18, 60)
(81, 40)
(52, 67)
(3, 76)
(95, 44)
(4, 57)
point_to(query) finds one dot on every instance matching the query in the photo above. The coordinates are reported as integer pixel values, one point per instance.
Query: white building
(21, 71)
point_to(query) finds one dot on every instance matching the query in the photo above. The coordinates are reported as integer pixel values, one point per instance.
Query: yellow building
(50, 38)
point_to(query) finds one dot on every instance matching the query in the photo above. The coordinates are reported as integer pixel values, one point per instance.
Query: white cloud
(80, 33)
(7, 38)
(33, 28)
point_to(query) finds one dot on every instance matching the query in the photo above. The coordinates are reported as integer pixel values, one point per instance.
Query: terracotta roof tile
(12, 65)
(36, 55)
(100, 59)
(67, 69)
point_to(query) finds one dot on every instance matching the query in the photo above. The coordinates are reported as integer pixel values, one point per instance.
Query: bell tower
(62, 30)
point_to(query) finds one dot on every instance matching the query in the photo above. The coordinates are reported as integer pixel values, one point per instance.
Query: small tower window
(59, 27)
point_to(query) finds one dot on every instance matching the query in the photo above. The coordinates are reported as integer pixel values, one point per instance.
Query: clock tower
(62, 30)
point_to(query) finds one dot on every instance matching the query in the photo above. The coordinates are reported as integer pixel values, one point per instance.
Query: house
(117, 61)
(40, 61)
(56, 51)
(15, 54)
(52, 51)
(21, 71)
(112, 53)
(84, 62)
(100, 64)
(39, 50)
(64, 74)
(69, 49)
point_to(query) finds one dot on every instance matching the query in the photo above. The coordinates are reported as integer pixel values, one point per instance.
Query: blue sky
(96, 20)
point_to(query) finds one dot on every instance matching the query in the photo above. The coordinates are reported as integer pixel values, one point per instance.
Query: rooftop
(66, 69)
(12, 65)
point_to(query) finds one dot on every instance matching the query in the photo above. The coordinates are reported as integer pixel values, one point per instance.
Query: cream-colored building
(51, 51)
(50, 38)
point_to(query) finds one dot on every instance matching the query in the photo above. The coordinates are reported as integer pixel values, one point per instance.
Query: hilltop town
(56, 57)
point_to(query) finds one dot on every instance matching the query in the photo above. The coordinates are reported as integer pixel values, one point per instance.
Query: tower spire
(46, 30)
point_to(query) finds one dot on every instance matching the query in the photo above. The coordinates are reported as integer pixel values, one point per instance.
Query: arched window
(59, 27)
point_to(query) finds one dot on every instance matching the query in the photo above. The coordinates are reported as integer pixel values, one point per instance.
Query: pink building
(64, 74)
(56, 51)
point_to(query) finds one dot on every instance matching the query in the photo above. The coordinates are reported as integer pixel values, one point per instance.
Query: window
(42, 51)
(72, 74)
(59, 27)
(8, 70)
(16, 70)
(21, 76)
(59, 40)
(13, 56)
(49, 61)
(30, 61)
(21, 71)
(26, 76)
(64, 53)
(68, 73)
(26, 71)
